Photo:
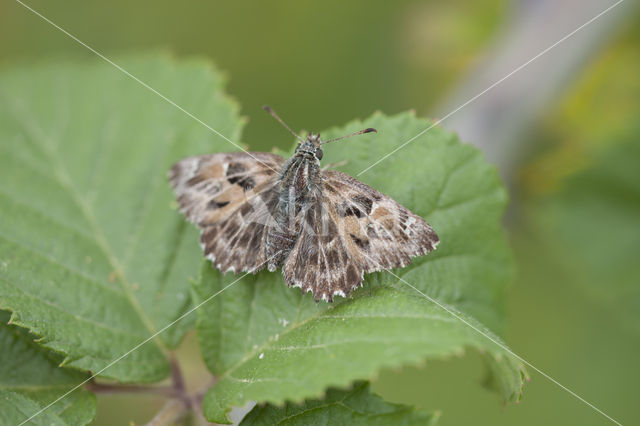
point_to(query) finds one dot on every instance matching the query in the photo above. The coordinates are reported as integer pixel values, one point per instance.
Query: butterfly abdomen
(298, 186)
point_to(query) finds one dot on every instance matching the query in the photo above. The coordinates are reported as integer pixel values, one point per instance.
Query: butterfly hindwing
(320, 261)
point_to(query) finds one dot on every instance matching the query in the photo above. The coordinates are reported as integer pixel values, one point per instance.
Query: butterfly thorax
(299, 184)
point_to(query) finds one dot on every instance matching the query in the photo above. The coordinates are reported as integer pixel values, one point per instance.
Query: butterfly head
(310, 146)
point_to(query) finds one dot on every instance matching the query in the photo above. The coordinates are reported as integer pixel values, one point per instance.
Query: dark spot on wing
(349, 210)
(359, 206)
(365, 202)
(362, 243)
(352, 275)
(234, 170)
(246, 209)
(213, 204)
(195, 180)
(331, 189)
(247, 183)
(434, 237)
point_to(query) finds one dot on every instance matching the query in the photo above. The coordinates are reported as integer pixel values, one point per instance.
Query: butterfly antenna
(273, 113)
(361, 132)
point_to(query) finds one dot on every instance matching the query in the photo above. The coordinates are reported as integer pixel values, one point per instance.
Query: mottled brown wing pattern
(210, 187)
(379, 232)
(231, 198)
(346, 228)
(238, 243)
(350, 229)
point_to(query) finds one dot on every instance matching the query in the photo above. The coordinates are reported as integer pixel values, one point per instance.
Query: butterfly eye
(318, 153)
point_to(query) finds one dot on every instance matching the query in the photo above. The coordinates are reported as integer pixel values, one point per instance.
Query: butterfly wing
(320, 260)
(231, 197)
(380, 231)
(351, 229)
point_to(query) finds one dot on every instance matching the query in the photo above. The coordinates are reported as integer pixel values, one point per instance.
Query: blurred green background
(574, 222)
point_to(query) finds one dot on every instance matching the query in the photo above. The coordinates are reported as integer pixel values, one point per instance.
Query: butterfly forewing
(321, 261)
(379, 232)
(231, 198)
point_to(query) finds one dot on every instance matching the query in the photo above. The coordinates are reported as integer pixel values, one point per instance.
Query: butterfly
(324, 228)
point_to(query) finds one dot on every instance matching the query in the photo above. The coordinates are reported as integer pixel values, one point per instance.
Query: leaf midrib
(264, 346)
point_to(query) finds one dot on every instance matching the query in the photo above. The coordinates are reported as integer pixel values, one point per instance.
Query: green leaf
(267, 342)
(356, 406)
(30, 379)
(92, 257)
(15, 408)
